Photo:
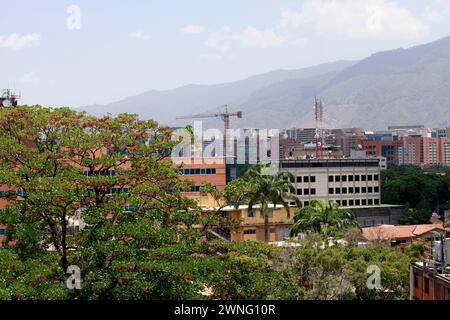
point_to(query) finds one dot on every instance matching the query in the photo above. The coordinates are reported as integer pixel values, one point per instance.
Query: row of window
(202, 171)
(108, 173)
(358, 202)
(253, 231)
(344, 178)
(352, 190)
(114, 190)
(345, 203)
(19, 192)
(306, 179)
(328, 164)
(306, 192)
(117, 190)
(22, 193)
(356, 178)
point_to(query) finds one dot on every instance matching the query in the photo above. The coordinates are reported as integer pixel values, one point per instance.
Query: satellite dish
(7, 103)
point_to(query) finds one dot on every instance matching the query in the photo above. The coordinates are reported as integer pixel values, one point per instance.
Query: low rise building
(251, 226)
(372, 216)
(397, 235)
(426, 283)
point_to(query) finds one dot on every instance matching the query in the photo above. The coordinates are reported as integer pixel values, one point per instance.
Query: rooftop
(390, 232)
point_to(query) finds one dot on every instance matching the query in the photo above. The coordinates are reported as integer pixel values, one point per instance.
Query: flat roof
(334, 162)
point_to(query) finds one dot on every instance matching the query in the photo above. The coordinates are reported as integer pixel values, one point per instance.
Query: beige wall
(279, 224)
(322, 184)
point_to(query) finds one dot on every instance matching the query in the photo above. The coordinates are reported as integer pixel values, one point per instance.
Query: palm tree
(324, 219)
(268, 189)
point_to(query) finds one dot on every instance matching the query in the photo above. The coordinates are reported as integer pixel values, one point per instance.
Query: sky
(83, 52)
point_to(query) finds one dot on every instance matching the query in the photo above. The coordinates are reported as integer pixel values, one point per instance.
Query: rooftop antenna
(318, 138)
(8, 98)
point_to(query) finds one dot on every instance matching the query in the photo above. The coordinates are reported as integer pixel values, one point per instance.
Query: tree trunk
(64, 261)
(266, 227)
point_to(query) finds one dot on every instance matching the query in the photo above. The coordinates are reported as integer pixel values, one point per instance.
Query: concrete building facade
(348, 182)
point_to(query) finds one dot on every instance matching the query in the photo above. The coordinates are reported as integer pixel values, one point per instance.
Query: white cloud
(139, 35)
(28, 78)
(224, 39)
(192, 28)
(252, 37)
(438, 11)
(212, 57)
(15, 41)
(445, 4)
(348, 18)
(220, 40)
(433, 15)
(355, 19)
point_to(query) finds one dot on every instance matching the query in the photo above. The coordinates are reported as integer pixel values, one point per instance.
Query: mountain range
(397, 87)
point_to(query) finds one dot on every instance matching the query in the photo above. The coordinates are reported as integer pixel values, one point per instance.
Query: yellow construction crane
(225, 116)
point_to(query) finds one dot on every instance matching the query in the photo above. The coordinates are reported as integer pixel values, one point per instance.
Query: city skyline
(122, 50)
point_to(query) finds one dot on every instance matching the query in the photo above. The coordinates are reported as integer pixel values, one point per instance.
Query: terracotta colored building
(436, 151)
(200, 171)
(427, 284)
(383, 148)
(424, 151)
(411, 151)
(349, 139)
(398, 235)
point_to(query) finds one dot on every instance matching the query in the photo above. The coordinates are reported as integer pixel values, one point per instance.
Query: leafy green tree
(100, 193)
(31, 279)
(111, 176)
(410, 185)
(323, 219)
(420, 215)
(341, 273)
(268, 190)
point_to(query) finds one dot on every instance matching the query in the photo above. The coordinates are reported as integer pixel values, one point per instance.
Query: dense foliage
(326, 219)
(422, 192)
(337, 272)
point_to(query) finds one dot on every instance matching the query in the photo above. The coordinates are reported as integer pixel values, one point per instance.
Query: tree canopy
(325, 219)
(421, 191)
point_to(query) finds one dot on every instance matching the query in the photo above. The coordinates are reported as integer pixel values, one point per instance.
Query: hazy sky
(123, 48)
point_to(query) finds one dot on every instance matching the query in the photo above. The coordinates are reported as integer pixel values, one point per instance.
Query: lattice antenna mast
(318, 112)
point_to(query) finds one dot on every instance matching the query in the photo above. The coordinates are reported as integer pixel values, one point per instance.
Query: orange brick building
(202, 170)
(383, 148)
(426, 284)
